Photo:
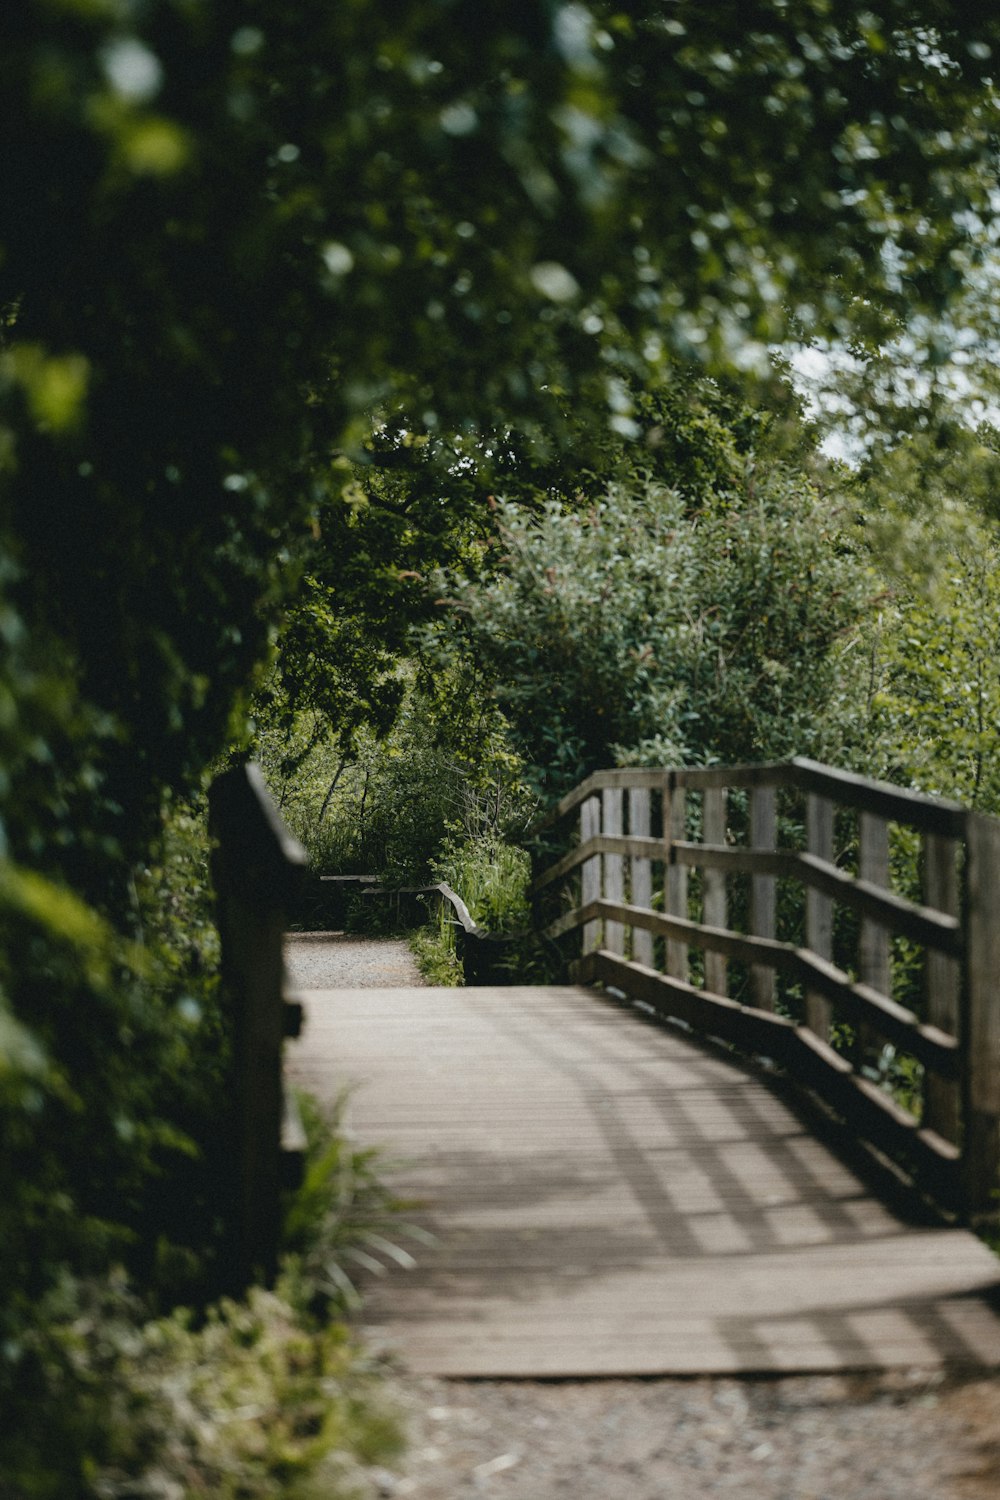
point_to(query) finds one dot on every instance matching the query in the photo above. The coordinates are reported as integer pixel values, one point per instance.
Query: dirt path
(913, 1437)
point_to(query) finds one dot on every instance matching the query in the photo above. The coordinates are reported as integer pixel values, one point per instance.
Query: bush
(245, 1402)
(649, 631)
(239, 1400)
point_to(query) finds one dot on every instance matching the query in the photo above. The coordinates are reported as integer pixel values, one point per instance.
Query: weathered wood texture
(952, 1031)
(610, 1199)
(256, 866)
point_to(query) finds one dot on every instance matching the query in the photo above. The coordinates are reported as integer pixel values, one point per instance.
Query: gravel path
(913, 1437)
(339, 960)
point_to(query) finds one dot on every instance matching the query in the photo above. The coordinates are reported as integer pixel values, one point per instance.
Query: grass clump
(492, 877)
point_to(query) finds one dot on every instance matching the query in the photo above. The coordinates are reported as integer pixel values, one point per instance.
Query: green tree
(231, 230)
(648, 629)
(934, 643)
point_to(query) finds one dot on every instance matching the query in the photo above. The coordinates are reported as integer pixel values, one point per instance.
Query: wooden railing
(256, 869)
(846, 929)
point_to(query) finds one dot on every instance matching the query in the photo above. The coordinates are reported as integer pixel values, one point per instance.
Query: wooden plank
(675, 897)
(590, 875)
(981, 1020)
(715, 909)
(640, 870)
(859, 1003)
(874, 956)
(933, 1161)
(886, 1018)
(763, 835)
(942, 982)
(608, 1198)
(598, 843)
(929, 928)
(819, 907)
(846, 788)
(751, 1030)
(893, 803)
(612, 823)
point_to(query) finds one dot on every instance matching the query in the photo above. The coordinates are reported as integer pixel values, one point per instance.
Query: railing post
(715, 903)
(612, 807)
(640, 872)
(763, 835)
(942, 983)
(676, 880)
(980, 1036)
(590, 873)
(256, 866)
(874, 955)
(819, 908)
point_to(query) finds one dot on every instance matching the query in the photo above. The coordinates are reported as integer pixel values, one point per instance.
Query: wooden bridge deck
(609, 1198)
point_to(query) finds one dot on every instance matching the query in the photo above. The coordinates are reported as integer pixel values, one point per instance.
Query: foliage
(435, 949)
(492, 879)
(263, 1396)
(647, 630)
(230, 233)
(390, 804)
(247, 1402)
(343, 1221)
(934, 685)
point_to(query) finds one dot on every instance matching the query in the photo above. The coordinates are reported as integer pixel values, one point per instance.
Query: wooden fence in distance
(844, 928)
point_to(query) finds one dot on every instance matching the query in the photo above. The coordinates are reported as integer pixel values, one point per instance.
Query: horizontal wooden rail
(826, 1011)
(920, 924)
(931, 1046)
(928, 814)
(932, 929)
(807, 1058)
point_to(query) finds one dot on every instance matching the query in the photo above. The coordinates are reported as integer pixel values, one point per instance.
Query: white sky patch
(132, 70)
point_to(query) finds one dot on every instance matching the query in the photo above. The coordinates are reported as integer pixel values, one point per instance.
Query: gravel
(807, 1438)
(338, 960)
(919, 1435)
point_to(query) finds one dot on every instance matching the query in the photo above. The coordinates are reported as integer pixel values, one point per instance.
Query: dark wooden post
(981, 1020)
(819, 907)
(874, 947)
(612, 812)
(591, 872)
(715, 909)
(763, 890)
(676, 877)
(256, 867)
(641, 871)
(942, 984)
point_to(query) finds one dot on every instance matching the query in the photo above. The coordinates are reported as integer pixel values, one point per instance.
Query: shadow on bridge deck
(609, 1197)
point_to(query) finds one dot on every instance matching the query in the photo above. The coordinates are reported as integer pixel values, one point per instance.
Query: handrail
(479, 951)
(930, 814)
(622, 891)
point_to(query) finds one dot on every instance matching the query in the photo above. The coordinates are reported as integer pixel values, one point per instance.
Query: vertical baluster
(715, 907)
(981, 1021)
(590, 875)
(874, 955)
(942, 981)
(819, 908)
(612, 800)
(676, 894)
(641, 872)
(763, 835)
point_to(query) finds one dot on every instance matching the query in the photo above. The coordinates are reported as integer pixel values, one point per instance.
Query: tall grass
(492, 878)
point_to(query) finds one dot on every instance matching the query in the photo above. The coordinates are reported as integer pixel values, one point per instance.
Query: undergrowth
(270, 1395)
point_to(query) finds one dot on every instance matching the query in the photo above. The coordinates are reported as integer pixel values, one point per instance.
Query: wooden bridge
(755, 1149)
